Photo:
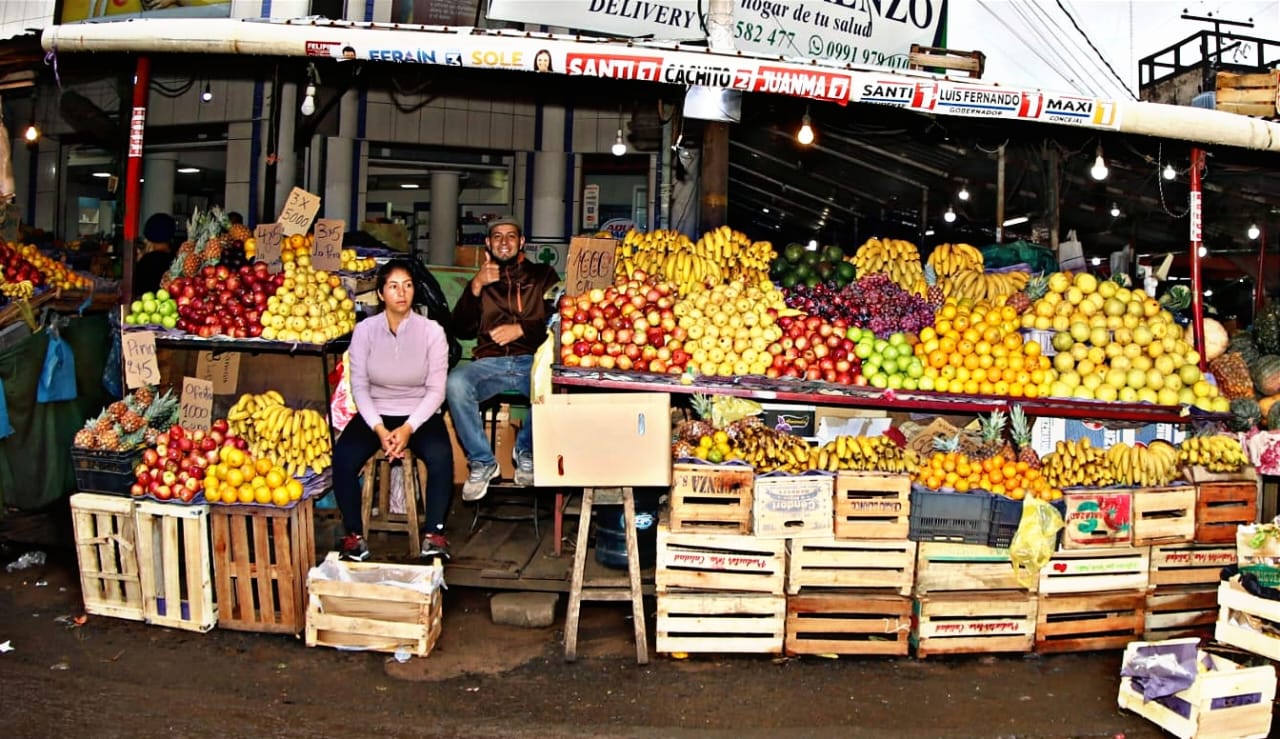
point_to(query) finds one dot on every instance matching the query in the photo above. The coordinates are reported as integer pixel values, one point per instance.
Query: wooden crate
(375, 616)
(942, 567)
(848, 623)
(933, 57)
(1098, 519)
(1181, 610)
(1189, 564)
(1095, 570)
(1230, 700)
(175, 566)
(711, 498)
(1221, 507)
(869, 564)
(719, 562)
(1089, 621)
(261, 557)
(1164, 515)
(1248, 94)
(793, 506)
(975, 622)
(872, 505)
(1235, 603)
(106, 549)
(721, 623)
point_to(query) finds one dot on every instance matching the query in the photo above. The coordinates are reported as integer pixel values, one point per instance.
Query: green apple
(135, 307)
(162, 295)
(169, 320)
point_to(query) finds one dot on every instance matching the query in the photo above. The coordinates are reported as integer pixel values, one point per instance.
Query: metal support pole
(1260, 281)
(1000, 195)
(1197, 216)
(133, 168)
(273, 151)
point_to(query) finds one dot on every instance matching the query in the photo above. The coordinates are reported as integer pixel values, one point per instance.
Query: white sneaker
(477, 484)
(523, 461)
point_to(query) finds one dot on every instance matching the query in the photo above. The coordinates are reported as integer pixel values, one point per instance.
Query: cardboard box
(793, 506)
(506, 442)
(602, 440)
(468, 256)
(1098, 519)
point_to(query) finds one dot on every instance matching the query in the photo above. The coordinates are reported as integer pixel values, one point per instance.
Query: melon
(1266, 374)
(1215, 339)
(1245, 414)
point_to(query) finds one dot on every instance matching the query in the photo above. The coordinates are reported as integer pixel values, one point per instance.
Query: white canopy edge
(662, 62)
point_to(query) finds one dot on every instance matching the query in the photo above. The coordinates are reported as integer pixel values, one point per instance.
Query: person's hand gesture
(489, 273)
(506, 333)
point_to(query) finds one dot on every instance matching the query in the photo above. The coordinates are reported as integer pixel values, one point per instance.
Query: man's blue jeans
(475, 382)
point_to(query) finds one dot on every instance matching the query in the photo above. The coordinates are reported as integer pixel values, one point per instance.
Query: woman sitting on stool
(398, 362)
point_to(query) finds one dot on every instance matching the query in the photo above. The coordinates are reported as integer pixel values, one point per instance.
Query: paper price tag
(327, 254)
(196, 408)
(267, 236)
(299, 208)
(139, 350)
(590, 264)
(223, 371)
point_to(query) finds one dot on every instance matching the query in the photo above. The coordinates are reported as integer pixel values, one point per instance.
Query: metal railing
(1206, 51)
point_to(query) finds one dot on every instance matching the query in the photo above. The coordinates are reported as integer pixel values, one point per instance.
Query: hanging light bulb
(207, 95)
(1099, 170)
(619, 148)
(1202, 251)
(1169, 172)
(32, 134)
(309, 101)
(804, 136)
(1115, 210)
(964, 193)
(1254, 232)
(949, 216)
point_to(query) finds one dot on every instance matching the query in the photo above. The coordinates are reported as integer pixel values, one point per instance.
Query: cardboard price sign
(299, 208)
(223, 371)
(327, 254)
(139, 350)
(267, 236)
(590, 264)
(196, 408)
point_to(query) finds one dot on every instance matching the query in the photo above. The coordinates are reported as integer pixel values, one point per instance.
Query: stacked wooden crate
(968, 599)
(1183, 600)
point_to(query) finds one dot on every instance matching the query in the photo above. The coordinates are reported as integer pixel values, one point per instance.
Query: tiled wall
(17, 16)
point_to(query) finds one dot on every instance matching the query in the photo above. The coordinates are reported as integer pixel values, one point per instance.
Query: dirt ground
(116, 678)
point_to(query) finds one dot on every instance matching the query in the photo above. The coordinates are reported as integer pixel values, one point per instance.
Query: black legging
(357, 444)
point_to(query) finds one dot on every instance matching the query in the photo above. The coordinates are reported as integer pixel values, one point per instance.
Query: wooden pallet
(793, 506)
(373, 616)
(261, 557)
(1096, 570)
(1252, 94)
(975, 622)
(1164, 515)
(175, 566)
(1189, 564)
(872, 505)
(1221, 507)
(719, 563)
(949, 567)
(721, 623)
(934, 57)
(711, 498)
(1088, 622)
(1234, 603)
(848, 623)
(1098, 519)
(869, 564)
(106, 549)
(1181, 610)
(1229, 700)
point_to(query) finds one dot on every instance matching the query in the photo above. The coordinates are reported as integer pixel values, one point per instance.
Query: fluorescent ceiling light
(103, 175)
(409, 186)
(188, 170)
(1016, 220)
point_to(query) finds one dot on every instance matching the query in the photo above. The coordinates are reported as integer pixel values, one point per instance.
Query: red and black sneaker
(435, 545)
(354, 549)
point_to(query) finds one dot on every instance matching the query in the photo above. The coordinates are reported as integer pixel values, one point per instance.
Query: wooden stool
(379, 469)
(610, 588)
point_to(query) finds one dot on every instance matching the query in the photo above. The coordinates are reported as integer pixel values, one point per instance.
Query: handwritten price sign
(299, 209)
(590, 264)
(223, 371)
(327, 254)
(196, 409)
(267, 236)
(139, 350)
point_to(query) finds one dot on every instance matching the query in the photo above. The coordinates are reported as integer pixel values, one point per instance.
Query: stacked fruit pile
(630, 326)
(976, 348)
(236, 476)
(799, 266)
(296, 440)
(56, 273)
(221, 302)
(873, 302)
(718, 256)
(1247, 368)
(153, 309)
(310, 306)
(131, 423)
(730, 330)
(351, 262)
(15, 268)
(177, 466)
(208, 236)
(894, 258)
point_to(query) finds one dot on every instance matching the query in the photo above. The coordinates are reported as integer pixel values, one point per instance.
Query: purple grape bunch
(874, 302)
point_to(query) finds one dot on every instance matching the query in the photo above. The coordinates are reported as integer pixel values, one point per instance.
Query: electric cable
(1115, 74)
(1054, 40)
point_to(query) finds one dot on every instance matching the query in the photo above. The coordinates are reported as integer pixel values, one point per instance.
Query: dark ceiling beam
(888, 155)
(826, 202)
(767, 193)
(869, 197)
(870, 166)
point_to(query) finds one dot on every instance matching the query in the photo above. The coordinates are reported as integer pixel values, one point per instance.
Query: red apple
(137, 491)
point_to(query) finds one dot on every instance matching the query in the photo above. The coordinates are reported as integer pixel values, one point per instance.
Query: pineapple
(1020, 429)
(84, 439)
(239, 232)
(703, 407)
(992, 434)
(144, 396)
(135, 440)
(207, 231)
(131, 420)
(186, 261)
(935, 295)
(117, 410)
(1035, 289)
(163, 412)
(945, 444)
(110, 439)
(1232, 374)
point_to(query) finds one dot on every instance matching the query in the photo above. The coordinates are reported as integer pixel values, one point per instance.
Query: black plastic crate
(1006, 515)
(961, 518)
(104, 472)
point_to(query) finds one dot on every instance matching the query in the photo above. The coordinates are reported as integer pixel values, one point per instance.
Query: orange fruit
(275, 479)
(280, 497)
(261, 495)
(235, 478)
(245, 494)
(211, 495)
(294, 489)
(262, 466)
(235, 457)
(249, 471)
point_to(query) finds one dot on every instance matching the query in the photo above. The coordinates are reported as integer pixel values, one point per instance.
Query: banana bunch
(1155, 464)
(976, 285)
(718, 256)
(294, 439)
(898, 259)
(1076, 464)
(770, 450)
(952, 259)
(17, 290)
(863, 453)
(1216, 453)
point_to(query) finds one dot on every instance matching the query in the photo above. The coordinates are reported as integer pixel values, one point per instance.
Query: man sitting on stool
(504, 308)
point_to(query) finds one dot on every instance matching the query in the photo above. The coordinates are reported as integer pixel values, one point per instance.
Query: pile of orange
(239, 478)
(997, 475)
(976, 348)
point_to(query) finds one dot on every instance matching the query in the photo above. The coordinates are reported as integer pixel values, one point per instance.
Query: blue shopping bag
(58, 377)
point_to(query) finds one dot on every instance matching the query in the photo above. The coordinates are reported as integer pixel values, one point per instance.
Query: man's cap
(159, 228)
(505, 221)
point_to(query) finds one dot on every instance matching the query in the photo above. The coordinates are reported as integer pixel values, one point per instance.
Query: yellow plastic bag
(1035, 540)
(540, 373)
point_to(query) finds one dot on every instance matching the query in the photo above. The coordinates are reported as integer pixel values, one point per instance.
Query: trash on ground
(30, 559)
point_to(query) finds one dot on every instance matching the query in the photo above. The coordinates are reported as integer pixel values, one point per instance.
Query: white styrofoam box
(1046, 432)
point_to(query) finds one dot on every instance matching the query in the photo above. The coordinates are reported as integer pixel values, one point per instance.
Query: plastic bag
(540, 372)
(342, 406)
(58, 378)
(6, 428)
(1035, 541)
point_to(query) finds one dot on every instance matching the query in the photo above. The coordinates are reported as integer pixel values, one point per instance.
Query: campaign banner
(74, 11)
(865, 32)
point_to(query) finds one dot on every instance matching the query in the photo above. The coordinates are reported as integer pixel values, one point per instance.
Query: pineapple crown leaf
(992, 425)
(701, 405)
(946, 444)
(930, 275)
(1018, 422)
